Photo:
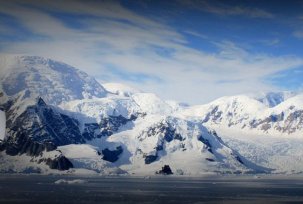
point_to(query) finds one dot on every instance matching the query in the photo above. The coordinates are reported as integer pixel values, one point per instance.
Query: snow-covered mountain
(246, 113)
(30, 77)
(272, 99)
(24, 78)
(59, 118)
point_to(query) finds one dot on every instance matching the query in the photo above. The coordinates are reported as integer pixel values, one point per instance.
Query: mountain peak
(272, 99)
(40, 102)
(57, 82)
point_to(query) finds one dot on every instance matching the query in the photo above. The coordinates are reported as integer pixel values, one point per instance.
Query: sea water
(160, 189)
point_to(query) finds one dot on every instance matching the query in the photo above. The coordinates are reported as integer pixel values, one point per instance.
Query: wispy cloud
(271, 42)
(219, 8)
(116, 44)
(298, 34)
(196, 34)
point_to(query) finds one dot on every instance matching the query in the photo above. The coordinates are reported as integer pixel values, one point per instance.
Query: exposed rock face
(60, 163)
(26, 146)
(167, 130)
(288, 120)
(106, 127)
(214, 115)
(91, 130)
(293, 122)
(112, 155)
(41, 127)
(111, 124)
(40, 124)
(150, 159)
(285, 124)
(165, 170)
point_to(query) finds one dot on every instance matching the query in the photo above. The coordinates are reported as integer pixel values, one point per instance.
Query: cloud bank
(115, 44)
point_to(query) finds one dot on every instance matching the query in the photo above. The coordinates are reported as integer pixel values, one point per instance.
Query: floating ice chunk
(74, 181)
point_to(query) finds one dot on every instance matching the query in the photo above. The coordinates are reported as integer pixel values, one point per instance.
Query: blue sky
(190, 51)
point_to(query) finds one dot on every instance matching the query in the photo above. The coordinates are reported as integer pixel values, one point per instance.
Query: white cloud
(135, 45)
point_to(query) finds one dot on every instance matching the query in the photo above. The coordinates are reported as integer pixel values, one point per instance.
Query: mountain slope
(272, 99)
(97, 109)
(245, 113)
(26, 78)
(155, 141)
(55, 81)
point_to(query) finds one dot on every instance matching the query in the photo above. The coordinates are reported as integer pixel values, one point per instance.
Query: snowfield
(120, 89)
(283, 154)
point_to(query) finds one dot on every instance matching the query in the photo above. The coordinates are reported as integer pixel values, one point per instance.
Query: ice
(74, 181)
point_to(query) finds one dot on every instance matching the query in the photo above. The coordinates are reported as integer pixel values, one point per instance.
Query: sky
(191, 51)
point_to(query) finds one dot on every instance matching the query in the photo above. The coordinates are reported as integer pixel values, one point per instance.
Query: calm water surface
(42, 189)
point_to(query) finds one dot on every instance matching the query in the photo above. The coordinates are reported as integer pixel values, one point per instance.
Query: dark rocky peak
(40, 102)
(166, 170)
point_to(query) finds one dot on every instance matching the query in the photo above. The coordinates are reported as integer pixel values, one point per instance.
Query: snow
(26, 164)
(7, 61)
(78, 151)
(244, 113)
(54, 81)
(120, 89)
(85, 156)
(176, 106)
(296, 102)
(2, 125)
(283, 155)
(150, 103)
(97, 109)
(272, 99)
(239, 103)
(73, 181)
(25, 78)
(137, 143)
(247, 126)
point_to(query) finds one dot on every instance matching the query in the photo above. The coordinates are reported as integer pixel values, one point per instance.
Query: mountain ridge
(126, 131)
